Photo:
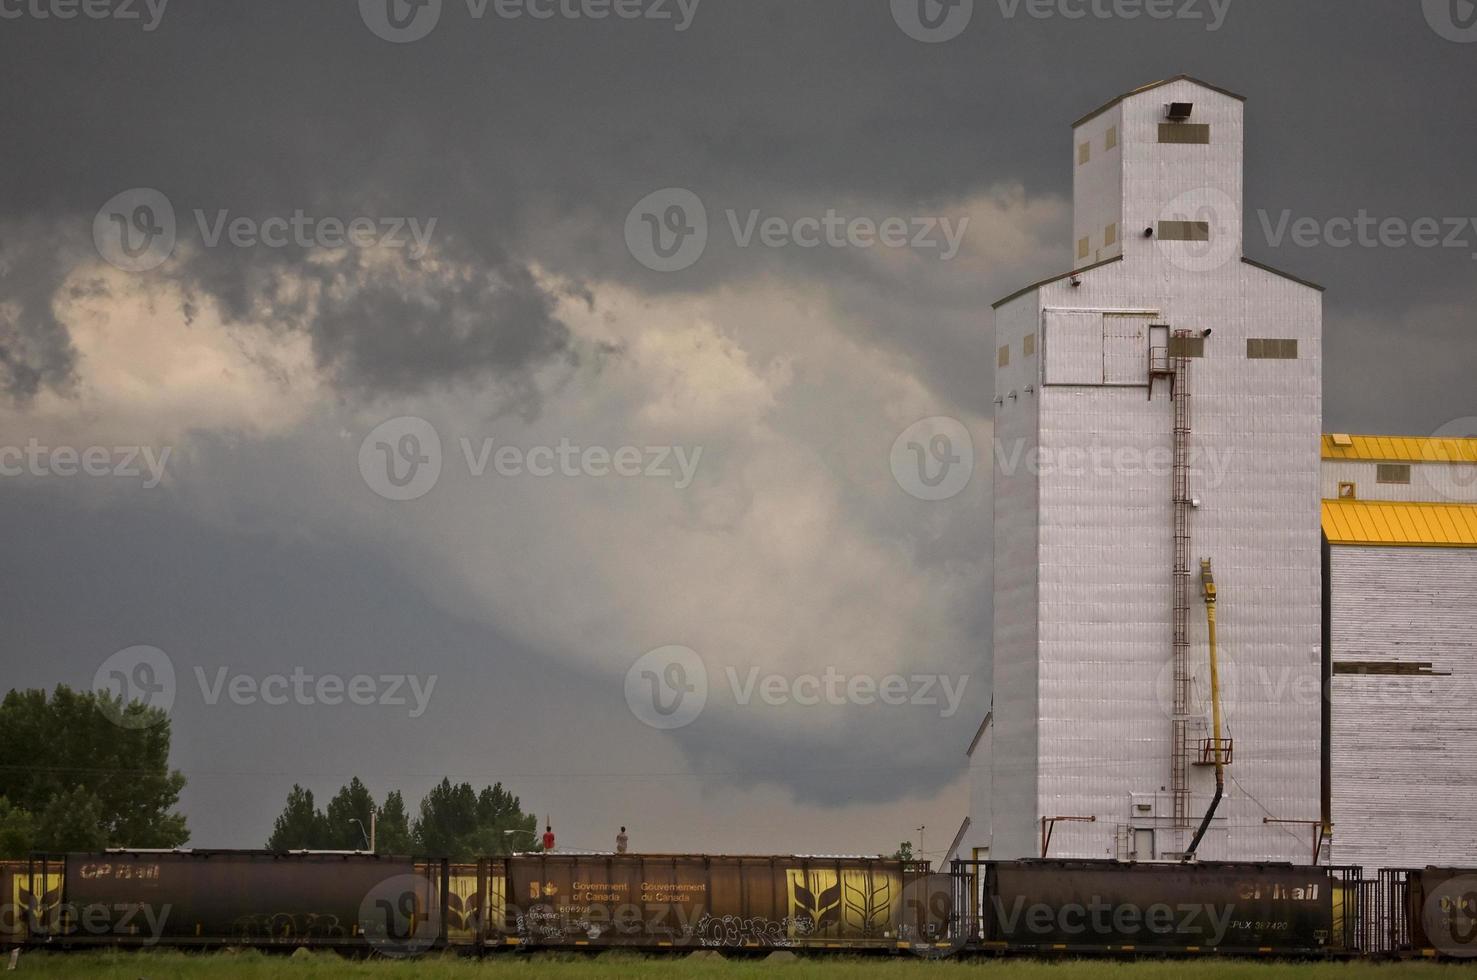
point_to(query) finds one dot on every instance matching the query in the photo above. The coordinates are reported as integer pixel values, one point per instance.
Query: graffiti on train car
(737, 931)
(555, 923)
(288, 926)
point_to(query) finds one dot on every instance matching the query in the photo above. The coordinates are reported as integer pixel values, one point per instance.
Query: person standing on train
(548, 837)
(621, 840)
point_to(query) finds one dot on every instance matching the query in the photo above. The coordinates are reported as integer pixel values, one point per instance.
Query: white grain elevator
(1157, 407)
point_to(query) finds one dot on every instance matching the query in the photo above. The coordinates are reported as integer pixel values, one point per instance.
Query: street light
(368, 834)
(531, 833)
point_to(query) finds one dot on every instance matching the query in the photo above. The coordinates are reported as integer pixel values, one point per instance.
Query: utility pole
(920, 844)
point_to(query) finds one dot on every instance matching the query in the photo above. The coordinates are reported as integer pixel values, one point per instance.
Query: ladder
(1179, 776)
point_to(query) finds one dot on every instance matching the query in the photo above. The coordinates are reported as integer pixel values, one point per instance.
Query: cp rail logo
(1450, 917)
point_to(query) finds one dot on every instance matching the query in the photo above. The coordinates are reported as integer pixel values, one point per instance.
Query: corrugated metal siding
(1400, 524)
(1074, 348)
(1403, 749)
(1105, 567)
(1446, 482)
(1097, 187)
(1099, 659)
(1010, 823)
(1126, 350)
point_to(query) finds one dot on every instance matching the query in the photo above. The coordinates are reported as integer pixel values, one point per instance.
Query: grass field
(155, 965)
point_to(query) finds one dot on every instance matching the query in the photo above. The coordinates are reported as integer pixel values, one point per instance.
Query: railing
(1207, 751)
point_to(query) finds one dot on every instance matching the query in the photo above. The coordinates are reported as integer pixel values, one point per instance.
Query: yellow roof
(1400, 449)
(1399, 523)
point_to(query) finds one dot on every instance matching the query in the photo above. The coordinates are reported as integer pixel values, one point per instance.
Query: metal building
(1400, 524)
(1158, 406)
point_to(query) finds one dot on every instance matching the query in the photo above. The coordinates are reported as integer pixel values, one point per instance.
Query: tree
(904, 851)
(110, 759)
(463, 824)
(17, 831)
(448, 818)
(347, 813)
(72, 821)
(393, 835)
(301, 825)
(502, 826)
(454, 821)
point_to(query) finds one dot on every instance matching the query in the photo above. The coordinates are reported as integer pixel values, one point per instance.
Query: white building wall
(1187, 182)
(1012, 816)
(976, 840)
(1403, 748)
(1429, 482)
(1086, 688)
(1097, 189)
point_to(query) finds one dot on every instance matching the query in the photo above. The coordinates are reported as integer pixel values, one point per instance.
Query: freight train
(399, 906)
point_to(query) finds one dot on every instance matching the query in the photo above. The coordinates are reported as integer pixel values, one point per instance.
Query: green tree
(347, 813)
(116, 755)
(393, 835)
(447, 820)
(72, 821)
(17, 831)
(301, 826)
(463, 824)
(502, 826)
(904, 851)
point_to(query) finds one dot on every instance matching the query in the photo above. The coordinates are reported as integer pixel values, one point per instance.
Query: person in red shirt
(548, 838)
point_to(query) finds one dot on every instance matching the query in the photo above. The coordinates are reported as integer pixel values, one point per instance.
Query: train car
(15, 903)
(723, 902)
(258, 898)
(1433, 912)
(1112, 907)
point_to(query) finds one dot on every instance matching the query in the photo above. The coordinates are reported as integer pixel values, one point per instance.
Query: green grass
(319, 966)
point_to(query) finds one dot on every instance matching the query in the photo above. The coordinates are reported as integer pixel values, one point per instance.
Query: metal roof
(1400, 523)
(1048, 281)
(1285, 275)
(1149, 88)
(1399, 449)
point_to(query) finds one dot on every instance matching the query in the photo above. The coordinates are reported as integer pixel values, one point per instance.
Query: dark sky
(526, 320)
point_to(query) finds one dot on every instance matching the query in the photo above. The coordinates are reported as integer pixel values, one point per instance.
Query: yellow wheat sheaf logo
(497, 903)
(547, 890)
(463, 904)
(815, 901)
(44, 908)
(857, 902)
(867, 901)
